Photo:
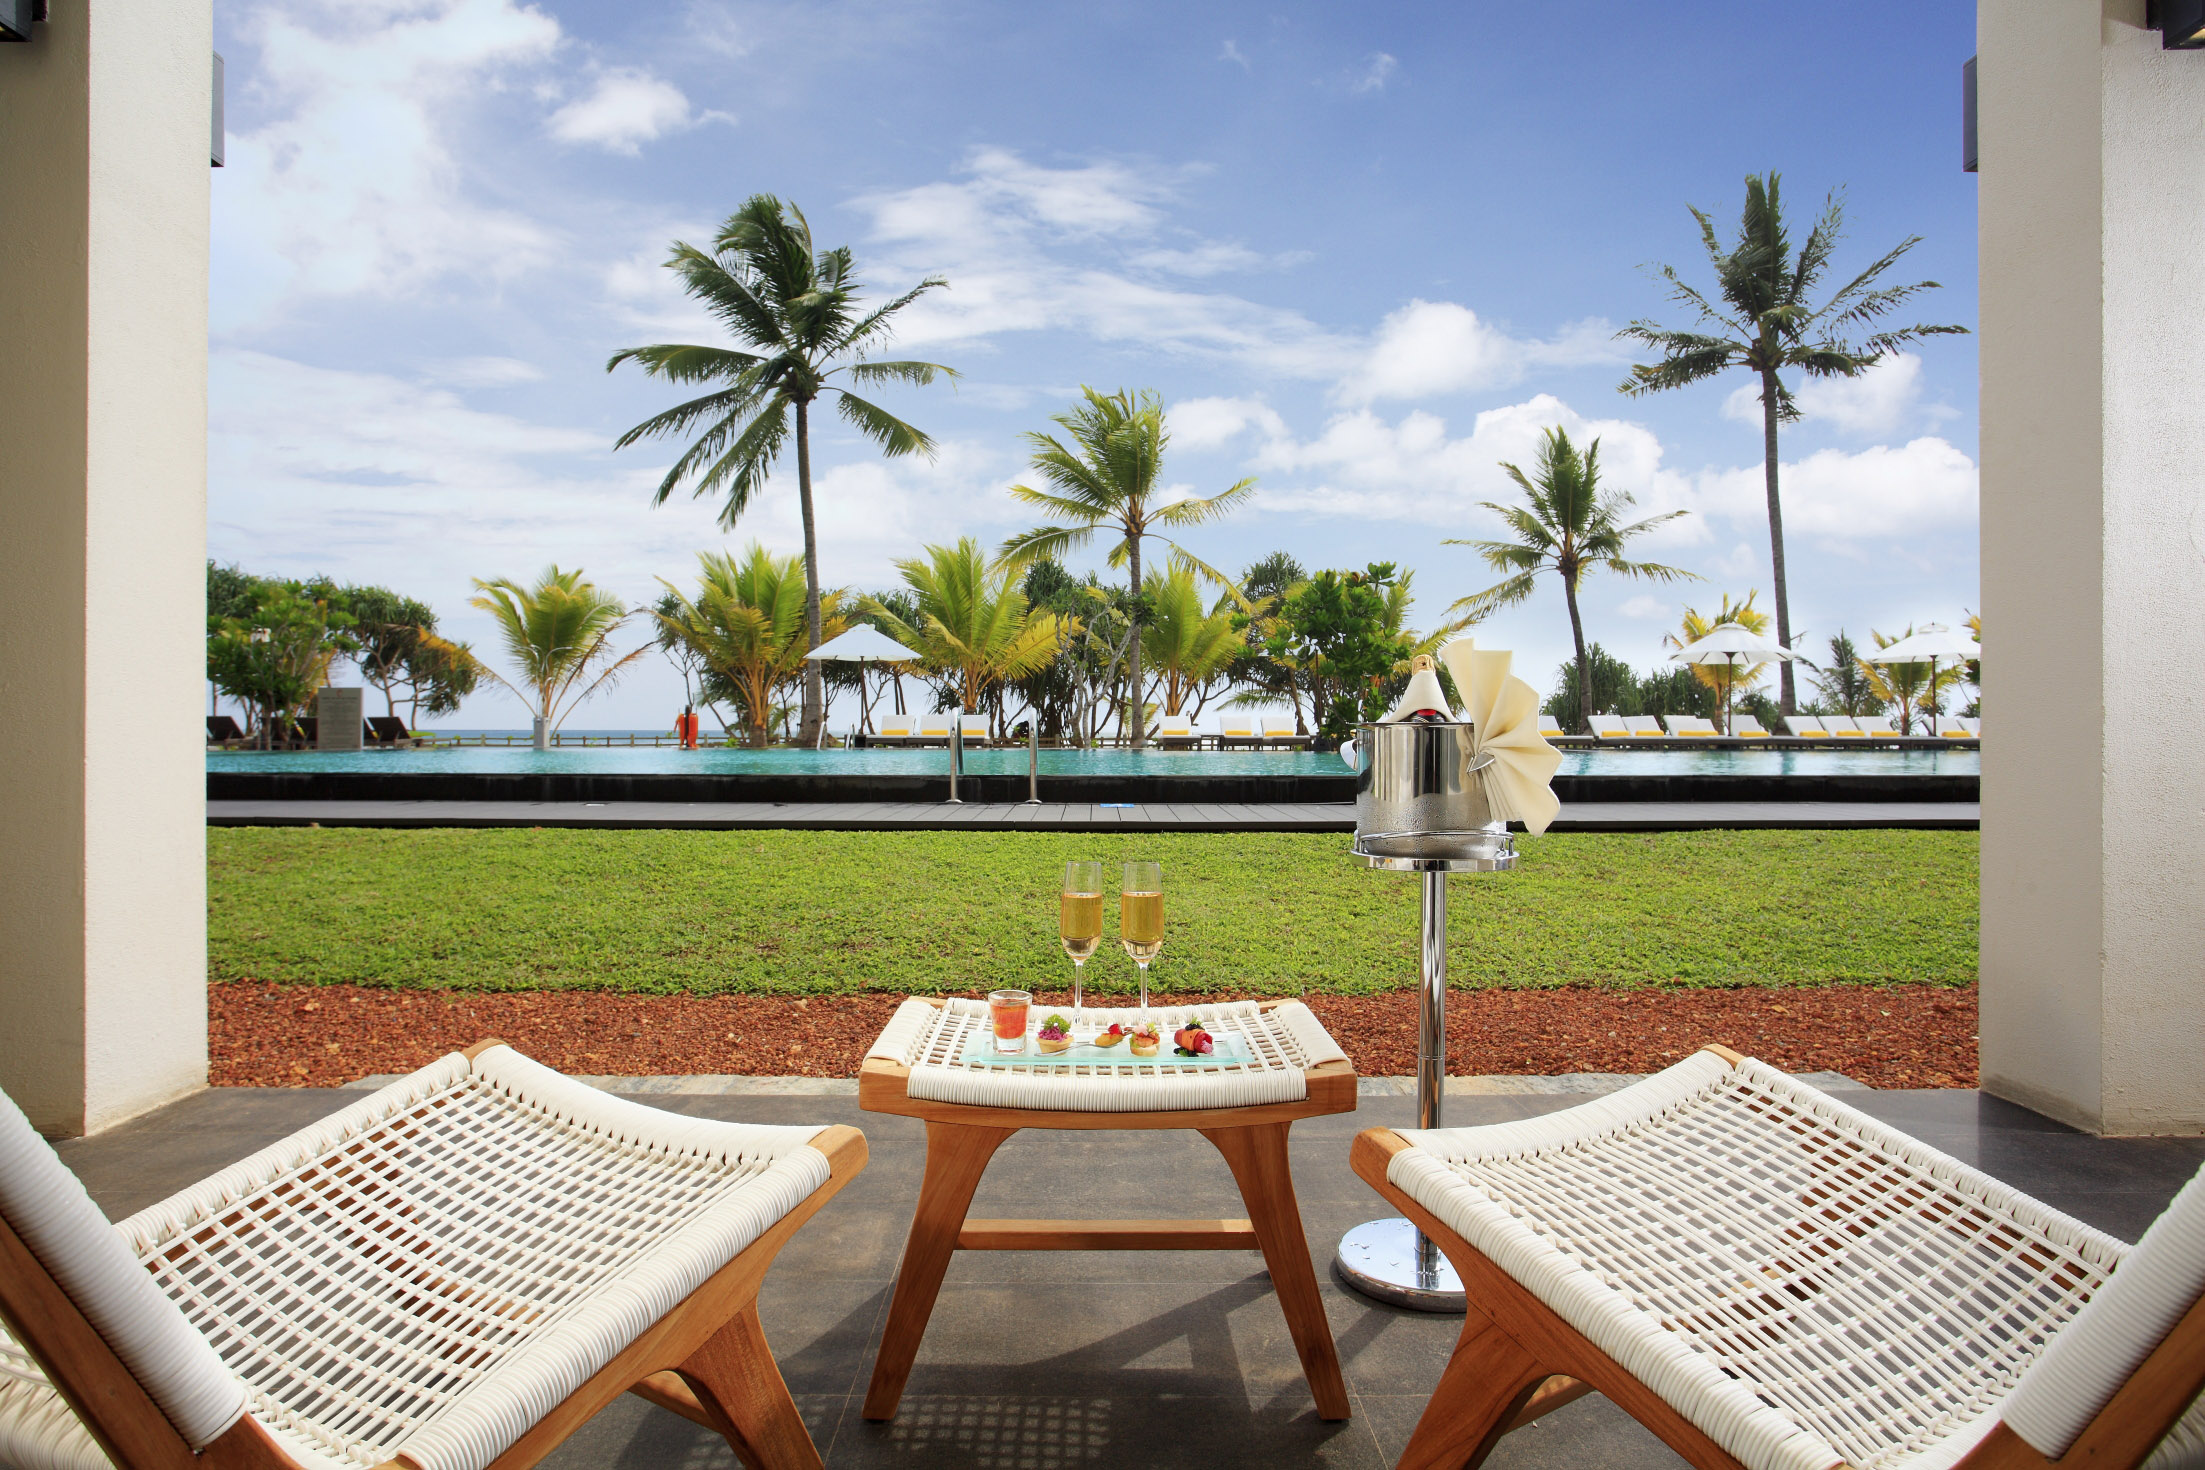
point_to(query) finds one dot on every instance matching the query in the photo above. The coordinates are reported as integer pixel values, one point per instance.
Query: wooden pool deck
(1632, 816)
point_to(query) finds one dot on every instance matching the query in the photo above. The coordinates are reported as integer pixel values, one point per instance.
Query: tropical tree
(559, 635)
(1842, 686)
(745, 627)
(1912, 688)
(797, 311)
(1107, 477)
(1262, 679)
(1187, 644)
(273, 648)
(1726, 679)
(1570, 527)
(974, 626)
(1334, 631)
(401, 653)
(1763, 318)
(1614, 687)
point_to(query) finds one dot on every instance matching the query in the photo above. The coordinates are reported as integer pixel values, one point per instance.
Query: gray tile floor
(1167, 1358)
(1617, 816)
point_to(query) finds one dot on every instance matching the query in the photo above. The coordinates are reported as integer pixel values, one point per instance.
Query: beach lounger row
(1169, 731)
(1746, 727)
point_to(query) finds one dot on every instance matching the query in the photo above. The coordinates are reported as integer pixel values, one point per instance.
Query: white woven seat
(1804, 1285)
(430, 1272)
(932, 1037)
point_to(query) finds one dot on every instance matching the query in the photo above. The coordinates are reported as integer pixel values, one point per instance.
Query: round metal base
(1378, 1259)
(1496, 853)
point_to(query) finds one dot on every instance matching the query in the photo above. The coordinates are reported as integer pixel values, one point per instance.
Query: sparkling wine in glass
(1141, 918)
(1079, 924)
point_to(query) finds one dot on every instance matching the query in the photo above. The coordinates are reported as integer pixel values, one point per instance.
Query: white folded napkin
(1505, 711)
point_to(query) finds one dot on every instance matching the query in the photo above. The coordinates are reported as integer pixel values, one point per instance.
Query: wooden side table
(964, 1131)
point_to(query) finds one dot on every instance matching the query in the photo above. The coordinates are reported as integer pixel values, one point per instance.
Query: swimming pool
(669, 761)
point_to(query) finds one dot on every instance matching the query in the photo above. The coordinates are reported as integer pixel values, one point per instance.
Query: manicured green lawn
(823, 912)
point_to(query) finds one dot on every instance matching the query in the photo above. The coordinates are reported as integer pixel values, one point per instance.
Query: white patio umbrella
(1732, 646)
(862, 645)
(1927, 644)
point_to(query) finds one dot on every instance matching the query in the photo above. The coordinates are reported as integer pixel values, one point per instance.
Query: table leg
(956, 1156)
(1257, 1157)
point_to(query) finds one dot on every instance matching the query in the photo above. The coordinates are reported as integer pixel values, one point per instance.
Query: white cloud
(1884, 400)
(1210, 423)
(1232, 53)
(1377, 71)
(626, 109)
(1434, 347)
(352, 185)
(483, 372)
(1836, 496)
(1644, 606)
(1212, 257)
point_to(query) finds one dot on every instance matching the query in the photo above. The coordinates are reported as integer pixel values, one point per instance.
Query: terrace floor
(1154, 1359)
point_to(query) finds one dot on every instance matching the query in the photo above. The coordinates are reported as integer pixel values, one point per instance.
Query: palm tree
(1107, 477)
(1913, 688)
(1571, 527)
(974, 626)
(746, 626)
(798, 308)
(1187, 644)
(558, 633)
(1767, 323)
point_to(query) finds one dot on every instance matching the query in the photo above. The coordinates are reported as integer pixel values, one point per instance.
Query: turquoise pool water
(667, 760)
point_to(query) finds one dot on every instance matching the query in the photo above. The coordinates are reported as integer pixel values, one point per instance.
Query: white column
(104, 117)
(2092, 257)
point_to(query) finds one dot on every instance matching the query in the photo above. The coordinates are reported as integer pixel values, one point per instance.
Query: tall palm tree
(1107, 477)
(1763, 319)
(558, 633)
(746, 625)
(974, 625)
(798, 309)
(1571, 527)
(1186, 643)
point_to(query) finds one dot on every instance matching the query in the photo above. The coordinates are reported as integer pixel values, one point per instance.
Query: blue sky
(1364, 253)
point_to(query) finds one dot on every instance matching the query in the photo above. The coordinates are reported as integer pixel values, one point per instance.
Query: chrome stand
(956, 759)
(1391, 1260)
(1033, 765)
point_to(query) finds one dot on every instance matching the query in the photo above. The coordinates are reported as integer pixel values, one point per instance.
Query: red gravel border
(326, 1035)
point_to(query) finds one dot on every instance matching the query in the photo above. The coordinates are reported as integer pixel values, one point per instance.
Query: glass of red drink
(1007, 1008)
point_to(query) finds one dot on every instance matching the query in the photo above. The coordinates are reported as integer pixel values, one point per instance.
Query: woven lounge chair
(1745, 727)
(387, 730)
(222, 729)
(1842, 726)
(1766, 1278)
(1610, 727)
(454, 1273)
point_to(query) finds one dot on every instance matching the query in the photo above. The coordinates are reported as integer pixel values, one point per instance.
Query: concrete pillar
(2093, 461)
(103, 411)
(338, 711)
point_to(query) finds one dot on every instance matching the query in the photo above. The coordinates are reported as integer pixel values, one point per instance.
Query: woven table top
(1285, 1040)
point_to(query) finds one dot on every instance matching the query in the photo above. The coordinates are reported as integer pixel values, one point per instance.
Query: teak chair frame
(706, 1360)
(1517, 1360)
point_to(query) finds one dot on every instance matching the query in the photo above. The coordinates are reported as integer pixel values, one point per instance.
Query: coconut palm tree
(1763, 318)
(798, 311)
(746, 624)
(1106, 477)
(1187, 644)
(558, 634)
(1570, 527)
(975, 626)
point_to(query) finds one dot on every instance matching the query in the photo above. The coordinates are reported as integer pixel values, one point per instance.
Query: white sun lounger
(1745, 727)
(1842, 726)
(1645, 727)
(1175, 730)
(1877, 725)
(1610, 727)
(457, 1270)
(1767, 1278)
(1279, 730)
(1806, 727)
(1952, 727)
(1237, 729)
(895, 730)
(975, 728)
(1550, 728)
(1691, 727)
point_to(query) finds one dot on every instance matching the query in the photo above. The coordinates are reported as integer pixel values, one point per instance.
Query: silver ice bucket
(1420, 793)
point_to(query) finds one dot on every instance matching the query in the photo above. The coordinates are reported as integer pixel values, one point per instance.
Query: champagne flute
(1079, 924)
(1141, 918)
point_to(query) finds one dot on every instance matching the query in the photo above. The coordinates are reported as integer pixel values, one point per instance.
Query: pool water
(668, 760)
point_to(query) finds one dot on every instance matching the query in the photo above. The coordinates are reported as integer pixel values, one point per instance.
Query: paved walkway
(1640, 816)
(1157, 1359)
